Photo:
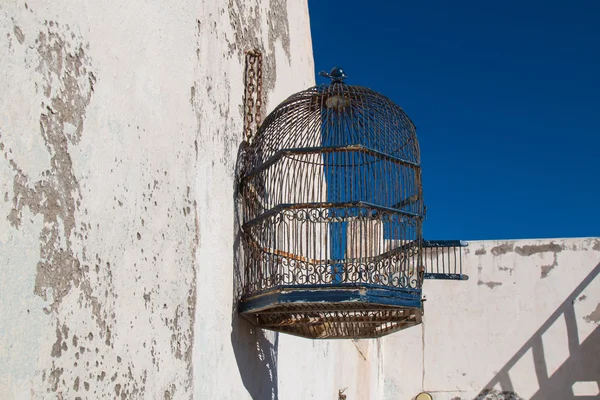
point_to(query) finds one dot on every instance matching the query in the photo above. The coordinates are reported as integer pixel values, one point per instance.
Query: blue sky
(505, 97)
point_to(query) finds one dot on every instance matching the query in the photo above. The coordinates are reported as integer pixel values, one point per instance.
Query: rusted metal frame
(281, 253)
(402, 274)
(326, 149)
(402, 249)
(336, 319)
(408, 249)
(410, 246)
(396, 327)
(294, 206)
(297, 121)
(350, 332)
(409, 200)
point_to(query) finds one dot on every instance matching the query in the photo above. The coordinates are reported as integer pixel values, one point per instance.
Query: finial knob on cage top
(337, 74)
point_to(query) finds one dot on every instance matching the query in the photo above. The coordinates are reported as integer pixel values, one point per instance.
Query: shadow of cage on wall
(332, 210)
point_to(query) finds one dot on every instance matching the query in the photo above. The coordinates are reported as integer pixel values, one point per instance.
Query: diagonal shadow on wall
(583, 363)
(255, 352)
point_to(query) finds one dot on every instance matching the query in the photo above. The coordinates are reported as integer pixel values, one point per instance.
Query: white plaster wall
(97, 227)
(526, 321)
(234, 359)
(119, 129)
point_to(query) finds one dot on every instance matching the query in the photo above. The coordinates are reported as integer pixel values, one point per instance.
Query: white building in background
(120, 124)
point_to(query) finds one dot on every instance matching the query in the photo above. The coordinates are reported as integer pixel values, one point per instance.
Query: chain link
(253, 93)
(259, 78)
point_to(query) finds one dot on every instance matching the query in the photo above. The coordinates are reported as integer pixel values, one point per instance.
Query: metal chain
(259, 81)
(253, 82)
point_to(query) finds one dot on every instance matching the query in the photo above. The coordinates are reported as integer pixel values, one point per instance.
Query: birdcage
(331, 216)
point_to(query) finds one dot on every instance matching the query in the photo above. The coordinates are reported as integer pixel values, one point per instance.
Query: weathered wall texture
(120, 124)
(119, 128)
(526, 321)
(119, 131)
(232, 360)
(98, 219)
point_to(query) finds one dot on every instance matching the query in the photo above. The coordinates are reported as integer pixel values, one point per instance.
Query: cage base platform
(335, 311)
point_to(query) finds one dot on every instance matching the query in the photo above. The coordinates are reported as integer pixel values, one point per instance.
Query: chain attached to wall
(253, 93)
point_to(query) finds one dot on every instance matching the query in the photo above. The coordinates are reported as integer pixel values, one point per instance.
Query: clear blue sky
(505, 97)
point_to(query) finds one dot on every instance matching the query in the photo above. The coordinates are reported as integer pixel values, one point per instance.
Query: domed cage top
(332, 210)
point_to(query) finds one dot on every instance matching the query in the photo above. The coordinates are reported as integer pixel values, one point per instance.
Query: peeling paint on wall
(19, 34)
(68, 87)
(246, 24)
(545, 269)
(594, 316)
(530, 250)
(506, 269)
(490, 284)
(480, 252)
(492, 394)
(115, 312)
(502, 249)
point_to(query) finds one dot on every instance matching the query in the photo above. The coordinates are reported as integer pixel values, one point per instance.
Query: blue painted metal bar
(445, 243)
(334, 294)
(348, 285)
(451, 277)
(450, 255)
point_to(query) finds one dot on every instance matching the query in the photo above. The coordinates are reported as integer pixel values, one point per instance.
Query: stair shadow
(583, 363)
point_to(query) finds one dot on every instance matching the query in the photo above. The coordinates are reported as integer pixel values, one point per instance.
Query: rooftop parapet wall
(526, 321)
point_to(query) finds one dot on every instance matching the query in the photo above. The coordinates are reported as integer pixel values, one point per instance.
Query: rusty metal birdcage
(332, 210)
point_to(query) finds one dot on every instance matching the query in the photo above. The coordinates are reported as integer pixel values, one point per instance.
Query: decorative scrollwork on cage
(331, 205)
